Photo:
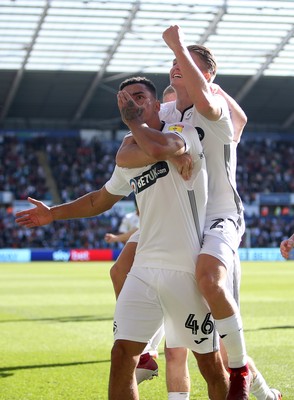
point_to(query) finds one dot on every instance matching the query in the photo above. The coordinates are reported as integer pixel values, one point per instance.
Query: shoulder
(223, 104)
(178, 129)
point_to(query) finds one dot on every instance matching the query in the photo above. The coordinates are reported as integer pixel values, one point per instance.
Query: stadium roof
(61, 60)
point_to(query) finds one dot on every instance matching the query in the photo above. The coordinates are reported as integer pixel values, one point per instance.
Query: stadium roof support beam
(20, 72)
(213, 25)
(210, 30)
(125, 28)
(288, 121)
(252, 81)
(114, 77)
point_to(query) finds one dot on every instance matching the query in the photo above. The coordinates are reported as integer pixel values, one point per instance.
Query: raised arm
(89, 205)
(196, 80)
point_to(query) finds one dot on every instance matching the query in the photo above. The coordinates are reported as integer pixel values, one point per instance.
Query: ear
(157, 105)
(207, 76)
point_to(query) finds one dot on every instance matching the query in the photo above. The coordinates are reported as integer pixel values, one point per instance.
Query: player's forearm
(89, 205)
(124, 237)
(79, 208)
(154, 143)
(197, 85)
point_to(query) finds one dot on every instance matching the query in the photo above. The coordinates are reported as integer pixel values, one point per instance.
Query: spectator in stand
(128, 226)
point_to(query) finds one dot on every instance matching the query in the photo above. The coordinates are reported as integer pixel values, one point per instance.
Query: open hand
(128, 108)
(32, 217)
(184, 165)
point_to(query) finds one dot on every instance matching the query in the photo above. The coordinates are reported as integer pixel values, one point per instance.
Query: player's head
(169, 94)
(204, 59)
(142, 81)
(144, 94)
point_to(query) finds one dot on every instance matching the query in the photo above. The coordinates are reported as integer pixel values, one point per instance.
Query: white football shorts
(221, 240)
(229, 230)
(152, 296)
(215, 245)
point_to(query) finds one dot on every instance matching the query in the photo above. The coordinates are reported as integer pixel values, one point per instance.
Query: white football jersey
(220, 153)
(172, 211)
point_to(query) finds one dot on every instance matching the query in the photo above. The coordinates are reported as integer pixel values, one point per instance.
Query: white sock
(231, 332)
(260, 389)
(178, 395)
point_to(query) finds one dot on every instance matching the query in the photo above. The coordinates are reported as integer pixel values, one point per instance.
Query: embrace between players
(185, 271)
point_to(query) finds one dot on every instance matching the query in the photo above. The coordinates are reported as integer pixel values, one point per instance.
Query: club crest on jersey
(149, 177)
(188, 115)
(176, 128)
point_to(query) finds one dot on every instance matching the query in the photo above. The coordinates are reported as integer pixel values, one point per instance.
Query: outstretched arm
(89, 205)
(286, 246)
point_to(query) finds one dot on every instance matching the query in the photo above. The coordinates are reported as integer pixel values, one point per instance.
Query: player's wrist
(52, 213)
(135, 123)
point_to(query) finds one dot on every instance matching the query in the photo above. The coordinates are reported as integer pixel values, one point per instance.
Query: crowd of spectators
(20, 171)
(267, 231)
(80, 166)
(264, 166)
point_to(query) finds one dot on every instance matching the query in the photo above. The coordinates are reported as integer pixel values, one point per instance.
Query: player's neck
(183, 101)
(155, 123)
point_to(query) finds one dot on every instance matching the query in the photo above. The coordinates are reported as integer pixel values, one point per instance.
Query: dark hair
(142, 80)
(206, 57)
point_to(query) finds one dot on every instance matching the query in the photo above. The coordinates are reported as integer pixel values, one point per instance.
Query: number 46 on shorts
(206, 327)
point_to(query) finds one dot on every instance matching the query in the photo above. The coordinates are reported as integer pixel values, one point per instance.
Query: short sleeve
(118, 184)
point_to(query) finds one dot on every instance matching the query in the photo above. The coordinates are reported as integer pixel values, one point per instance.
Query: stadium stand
(59, 169)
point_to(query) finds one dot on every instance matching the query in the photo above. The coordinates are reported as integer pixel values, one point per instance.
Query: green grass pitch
(56, 330)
